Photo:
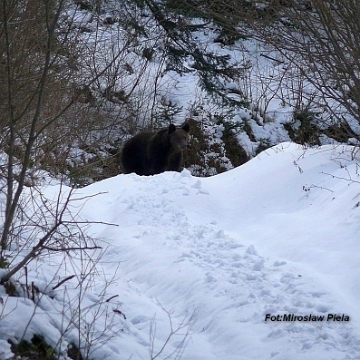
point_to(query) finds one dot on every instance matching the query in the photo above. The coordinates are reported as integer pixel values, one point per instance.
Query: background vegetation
(78, 77)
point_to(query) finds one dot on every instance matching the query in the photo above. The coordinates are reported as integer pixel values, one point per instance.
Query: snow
(209, 257)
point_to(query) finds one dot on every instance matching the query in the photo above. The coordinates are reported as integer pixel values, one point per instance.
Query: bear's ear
(186, 127)
(172, 128)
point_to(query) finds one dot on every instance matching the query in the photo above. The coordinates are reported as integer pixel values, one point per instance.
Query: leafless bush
(320, 39)
(82, 310)
(39, 125)
(313, 56)
(182, 330)
(90, 324)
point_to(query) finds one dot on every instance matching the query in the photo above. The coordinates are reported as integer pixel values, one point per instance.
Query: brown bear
(149, 154)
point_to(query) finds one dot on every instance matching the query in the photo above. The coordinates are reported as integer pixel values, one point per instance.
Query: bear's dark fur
(149, 154)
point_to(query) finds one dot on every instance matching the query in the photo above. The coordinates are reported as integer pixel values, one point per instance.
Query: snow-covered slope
(278, 235)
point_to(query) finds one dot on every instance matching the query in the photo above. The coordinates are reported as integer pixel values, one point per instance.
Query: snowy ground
(278, 235)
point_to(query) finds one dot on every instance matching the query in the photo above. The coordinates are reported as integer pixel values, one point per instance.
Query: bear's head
(179, 136)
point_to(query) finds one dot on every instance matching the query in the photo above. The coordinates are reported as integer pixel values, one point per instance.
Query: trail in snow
(195, 264)
(276, 236)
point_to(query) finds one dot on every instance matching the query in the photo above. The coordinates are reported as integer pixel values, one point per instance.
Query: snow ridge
(244, 267)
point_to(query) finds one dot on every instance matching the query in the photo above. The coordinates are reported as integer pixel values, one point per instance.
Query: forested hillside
(81, 76)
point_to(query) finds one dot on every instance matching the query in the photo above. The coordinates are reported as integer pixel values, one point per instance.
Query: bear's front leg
(175, 162)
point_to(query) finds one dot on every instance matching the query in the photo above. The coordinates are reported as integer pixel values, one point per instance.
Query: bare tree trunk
(10, 180)
(13, 199)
